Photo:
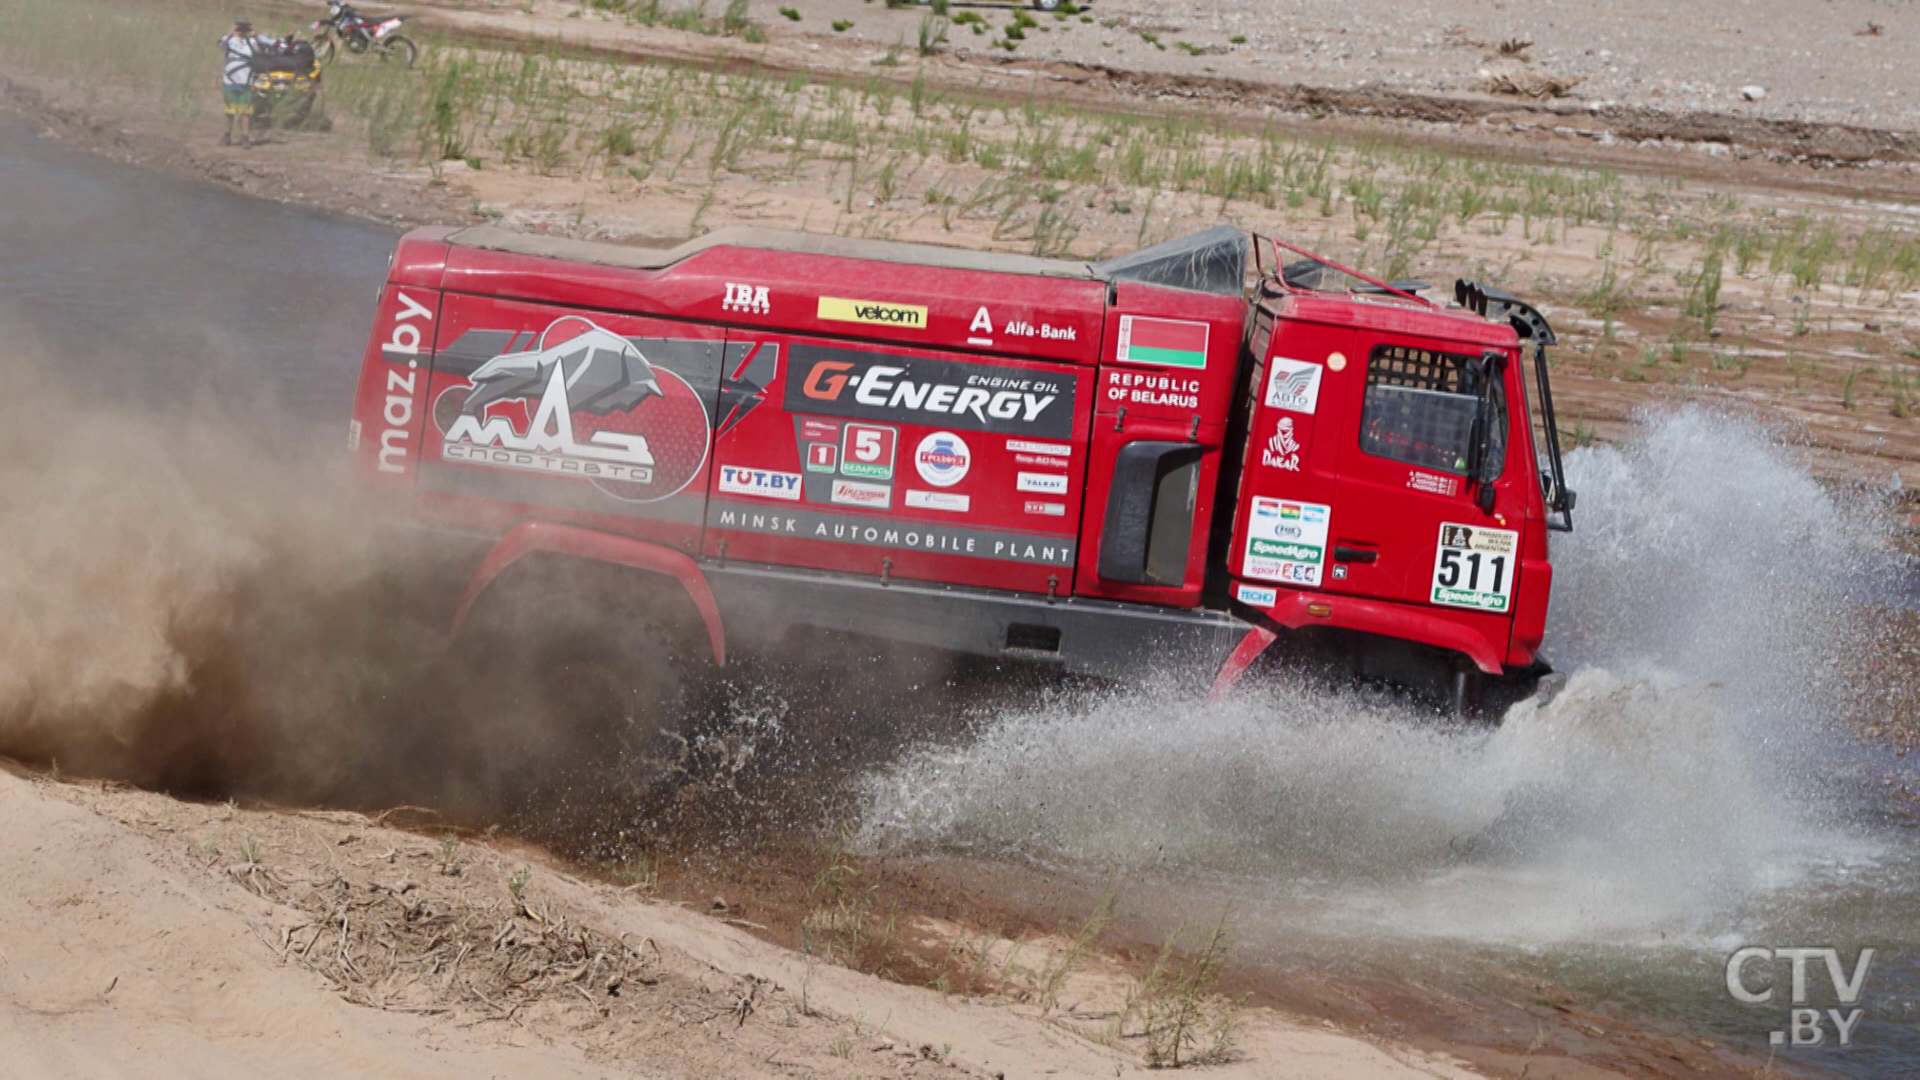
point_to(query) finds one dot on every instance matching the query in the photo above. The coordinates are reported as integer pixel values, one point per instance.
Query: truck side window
(1419, 410)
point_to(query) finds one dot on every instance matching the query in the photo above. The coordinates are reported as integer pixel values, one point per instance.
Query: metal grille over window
(1420, 407)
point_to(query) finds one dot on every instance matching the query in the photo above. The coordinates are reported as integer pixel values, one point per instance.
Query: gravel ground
(1822, 63)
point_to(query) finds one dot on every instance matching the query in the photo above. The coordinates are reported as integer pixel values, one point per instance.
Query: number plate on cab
(1474, 567)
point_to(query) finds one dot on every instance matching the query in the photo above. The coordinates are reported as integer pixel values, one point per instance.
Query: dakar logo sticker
(1283, 450)
(582, 403)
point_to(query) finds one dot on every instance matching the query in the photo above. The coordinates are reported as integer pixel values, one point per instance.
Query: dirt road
(144, 936)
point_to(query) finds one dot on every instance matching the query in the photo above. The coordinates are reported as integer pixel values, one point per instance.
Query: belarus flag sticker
(1162, 342)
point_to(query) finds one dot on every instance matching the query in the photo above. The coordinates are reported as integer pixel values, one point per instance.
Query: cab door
(1291, 496)
(1411, 526)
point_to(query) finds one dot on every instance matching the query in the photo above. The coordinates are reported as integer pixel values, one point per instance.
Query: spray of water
(1701, 609)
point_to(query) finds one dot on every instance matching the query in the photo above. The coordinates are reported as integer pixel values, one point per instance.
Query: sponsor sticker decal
(747, 299)
(823, 457)
(1043, 462)
(765, 483)
(1283, 450)
(1474, 567)
(866, 450)
(1286, 541)
(980, 330)
(1041, 483)
(1256, 596)
(585, 403)
(925, 390)
(855, 493)
(1293, 385)
(1046, 509)
(939, 500)
(942, 459)
(1045, 331)
(1023, 446)
(1162, 342)
(397, 410)
(1432, 483)
(873, 313)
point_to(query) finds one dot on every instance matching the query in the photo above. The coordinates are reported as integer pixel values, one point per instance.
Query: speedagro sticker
(1293, 385)
(1286, 541)
(1474, 567)
(943, 459)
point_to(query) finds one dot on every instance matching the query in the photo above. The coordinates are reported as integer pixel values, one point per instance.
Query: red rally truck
(1158, 463)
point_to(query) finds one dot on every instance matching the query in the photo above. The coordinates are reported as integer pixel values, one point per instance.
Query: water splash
(1701, 609)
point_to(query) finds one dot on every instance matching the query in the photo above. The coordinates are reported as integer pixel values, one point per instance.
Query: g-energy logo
(972, 397)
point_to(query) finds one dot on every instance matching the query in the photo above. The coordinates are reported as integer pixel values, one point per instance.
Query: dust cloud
(202, 601)
(178, 598)
(195, 606)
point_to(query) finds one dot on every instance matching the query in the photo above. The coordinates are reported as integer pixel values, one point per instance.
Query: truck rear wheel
(554, 715)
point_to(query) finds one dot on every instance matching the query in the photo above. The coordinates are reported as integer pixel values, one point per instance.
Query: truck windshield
(1420, 407)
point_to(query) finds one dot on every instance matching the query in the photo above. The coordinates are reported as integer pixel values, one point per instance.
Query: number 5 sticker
(1474, 567)
(866, 451)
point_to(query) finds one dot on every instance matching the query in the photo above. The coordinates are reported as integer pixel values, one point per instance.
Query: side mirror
(1484, 465)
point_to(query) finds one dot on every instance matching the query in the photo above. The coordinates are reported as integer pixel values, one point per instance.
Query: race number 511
(1474, 566)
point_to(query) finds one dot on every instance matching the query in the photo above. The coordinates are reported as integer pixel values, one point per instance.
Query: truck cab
(1141, 464)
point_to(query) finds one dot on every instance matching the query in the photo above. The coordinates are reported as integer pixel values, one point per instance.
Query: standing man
(236, 79)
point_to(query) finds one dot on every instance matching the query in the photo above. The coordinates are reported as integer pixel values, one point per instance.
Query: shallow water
(1690, 793)
(156, 290)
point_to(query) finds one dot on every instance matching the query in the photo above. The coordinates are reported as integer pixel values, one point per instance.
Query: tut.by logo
(1805, 1026)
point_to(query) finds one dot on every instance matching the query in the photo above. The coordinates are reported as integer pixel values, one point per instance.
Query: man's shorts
(239, 100)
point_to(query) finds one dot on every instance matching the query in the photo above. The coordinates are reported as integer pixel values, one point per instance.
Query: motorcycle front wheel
(323, 51)
(397, 48)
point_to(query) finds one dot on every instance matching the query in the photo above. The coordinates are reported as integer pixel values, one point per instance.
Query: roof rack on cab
(1210, 261)
(1297, 275)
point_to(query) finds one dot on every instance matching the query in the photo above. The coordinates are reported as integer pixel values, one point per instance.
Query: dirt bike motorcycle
(362, 34)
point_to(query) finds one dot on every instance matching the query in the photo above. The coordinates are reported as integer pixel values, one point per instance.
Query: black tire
(399, 48)
(302, 110)
(324, 51)
(546, 711)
